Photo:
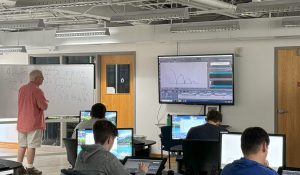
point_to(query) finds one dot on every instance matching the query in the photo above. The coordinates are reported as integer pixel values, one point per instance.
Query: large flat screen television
(196, 79)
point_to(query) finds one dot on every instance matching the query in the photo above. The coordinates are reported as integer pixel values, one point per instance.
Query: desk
(12, 165)
(177, 148)
(143, 149)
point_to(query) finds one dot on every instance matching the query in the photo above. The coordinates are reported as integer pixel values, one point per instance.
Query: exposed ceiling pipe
(216, 4)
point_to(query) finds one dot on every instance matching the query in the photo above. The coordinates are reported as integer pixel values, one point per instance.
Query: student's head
(255, 140)
(36, 76)
(98, 111)
(105, 133)
(214, 116)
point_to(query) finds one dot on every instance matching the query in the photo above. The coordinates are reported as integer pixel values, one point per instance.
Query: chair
(77, 172)
(167, 142)
(71, 147)
(201, 157)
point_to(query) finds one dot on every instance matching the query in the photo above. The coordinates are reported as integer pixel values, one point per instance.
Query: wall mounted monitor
(181, 124)
(231, 149)
(196, 79)
(123, 144)
(109, 115)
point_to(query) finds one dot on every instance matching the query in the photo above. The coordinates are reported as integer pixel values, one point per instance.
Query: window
(117, 78)
(44, 60)
(78, 59)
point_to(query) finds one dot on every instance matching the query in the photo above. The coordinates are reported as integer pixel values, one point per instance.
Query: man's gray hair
(34, 74)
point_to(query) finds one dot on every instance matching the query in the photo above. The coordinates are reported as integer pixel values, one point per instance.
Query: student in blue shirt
(254, 144)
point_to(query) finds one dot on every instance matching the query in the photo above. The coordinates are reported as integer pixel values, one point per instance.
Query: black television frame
(240, 133)
(196, 103)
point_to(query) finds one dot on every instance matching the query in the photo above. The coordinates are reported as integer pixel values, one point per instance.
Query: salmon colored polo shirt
(31, 106)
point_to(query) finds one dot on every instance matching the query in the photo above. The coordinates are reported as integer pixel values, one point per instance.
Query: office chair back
(166, 138)
(201, 157)
(167, 142)
(71, 148)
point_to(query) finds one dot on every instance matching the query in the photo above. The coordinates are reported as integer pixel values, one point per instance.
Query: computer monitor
(289, 171)
(181, 124)
(231, 149)
(109, 115)
(123, 144)
(85, 115)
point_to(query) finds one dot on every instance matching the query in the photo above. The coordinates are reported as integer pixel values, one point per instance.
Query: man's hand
(143, 167)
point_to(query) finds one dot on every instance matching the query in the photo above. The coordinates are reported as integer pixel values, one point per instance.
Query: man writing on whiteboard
(31, 121)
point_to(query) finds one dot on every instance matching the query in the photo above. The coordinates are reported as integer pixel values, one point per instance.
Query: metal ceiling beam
(206, 7)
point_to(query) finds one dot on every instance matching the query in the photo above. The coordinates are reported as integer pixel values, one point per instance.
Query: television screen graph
(196, 79)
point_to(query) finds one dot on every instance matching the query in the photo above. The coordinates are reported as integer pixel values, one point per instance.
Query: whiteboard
(69, 88)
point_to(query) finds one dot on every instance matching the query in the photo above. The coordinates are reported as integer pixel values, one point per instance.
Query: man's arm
(114, 166)
(42, 102)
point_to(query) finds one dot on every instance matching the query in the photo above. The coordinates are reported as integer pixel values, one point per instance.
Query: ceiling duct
(216, 4)
(211, 26)
(152, 15)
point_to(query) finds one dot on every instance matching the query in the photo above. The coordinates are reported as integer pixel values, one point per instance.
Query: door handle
(282, 111)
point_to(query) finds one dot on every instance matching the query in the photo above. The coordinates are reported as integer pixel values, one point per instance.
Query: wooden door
(288, 101)
(120, 96)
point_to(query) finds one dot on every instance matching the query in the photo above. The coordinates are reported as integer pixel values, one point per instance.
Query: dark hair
(103, 129)
(98, 110)
(252, 138)
(214, 116)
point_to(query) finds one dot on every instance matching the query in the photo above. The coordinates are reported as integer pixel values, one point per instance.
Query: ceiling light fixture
(22, 24)
(82, 33)
(268, 6)
(12, 49)
(153, 15)
(291, 22)
(210, 26)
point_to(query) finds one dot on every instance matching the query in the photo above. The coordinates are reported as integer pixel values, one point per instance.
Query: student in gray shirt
(97, 158)
(97, 112)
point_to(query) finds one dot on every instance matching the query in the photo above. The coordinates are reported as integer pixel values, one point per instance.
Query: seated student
(254, 144)
(210, 130)
(97, 157)
(97, 112)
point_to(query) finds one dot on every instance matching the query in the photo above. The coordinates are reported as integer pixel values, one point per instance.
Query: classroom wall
(254, 68)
